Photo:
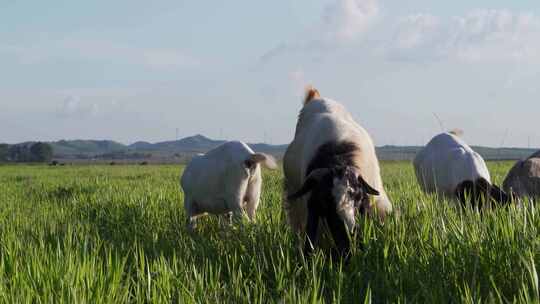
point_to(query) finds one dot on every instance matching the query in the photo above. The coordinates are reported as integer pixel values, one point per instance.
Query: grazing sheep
(447, 165)
(523, 179)
(330, 170)
(227, 179)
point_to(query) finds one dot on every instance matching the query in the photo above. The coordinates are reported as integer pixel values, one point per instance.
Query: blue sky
(137, 70)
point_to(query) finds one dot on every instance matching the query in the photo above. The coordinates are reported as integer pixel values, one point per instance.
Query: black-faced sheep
(331, 170)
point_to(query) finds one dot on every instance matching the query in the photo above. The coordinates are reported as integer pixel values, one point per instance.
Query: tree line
(32, 152)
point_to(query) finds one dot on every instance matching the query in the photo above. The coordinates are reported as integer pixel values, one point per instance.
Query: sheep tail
(311, 93)
(457, 132)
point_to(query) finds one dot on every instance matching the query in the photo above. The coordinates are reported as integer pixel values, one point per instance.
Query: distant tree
(4, 152)
(41, 152)
(19, 153)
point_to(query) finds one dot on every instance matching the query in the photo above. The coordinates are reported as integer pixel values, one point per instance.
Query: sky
(131, 70)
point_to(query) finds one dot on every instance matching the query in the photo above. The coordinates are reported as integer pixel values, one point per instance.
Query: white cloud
(77, 107)
(298, 82)
(91, 50)
(483, 35)
(342, 22)
(415, 30)
(163, 58)
(24, 55)
(479, 36)
(345, 20)
(72, 107)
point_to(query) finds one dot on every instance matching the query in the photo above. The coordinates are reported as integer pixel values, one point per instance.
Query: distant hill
(197, 143)
(187, 146)
(140, 145)
(74, 149)
(200, 143)
(80, 148)
(86, 147)
(270, 149)
(408, 152)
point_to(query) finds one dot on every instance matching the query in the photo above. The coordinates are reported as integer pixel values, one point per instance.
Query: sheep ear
(312, 180)
(366, 186)
(264, 159)
(249, 163)
(483, 185)
(499, 195)
(463, 190)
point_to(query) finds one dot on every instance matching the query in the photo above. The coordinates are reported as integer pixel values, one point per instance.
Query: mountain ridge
(80, 148)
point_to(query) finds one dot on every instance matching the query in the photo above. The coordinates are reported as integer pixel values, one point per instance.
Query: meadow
(116, 234)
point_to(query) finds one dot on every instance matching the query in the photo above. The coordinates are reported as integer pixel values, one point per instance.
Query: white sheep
(524, 178)
(226, 180)
(448, 166)
(330, 170)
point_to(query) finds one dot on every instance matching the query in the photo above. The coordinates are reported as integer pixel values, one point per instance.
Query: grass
(101, 234)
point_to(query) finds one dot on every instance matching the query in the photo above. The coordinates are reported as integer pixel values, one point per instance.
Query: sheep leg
(190, 209)
(311, 230)
(229, 216)
(339, 234)
(192, 212)
(235, 206)
(191, 224)
(252, 197)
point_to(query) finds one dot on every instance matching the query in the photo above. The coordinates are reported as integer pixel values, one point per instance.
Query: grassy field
(114, 234)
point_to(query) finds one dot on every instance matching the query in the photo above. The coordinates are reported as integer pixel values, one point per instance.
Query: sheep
(447, 165)
(331, 170)
(523, 179)
(226, 180)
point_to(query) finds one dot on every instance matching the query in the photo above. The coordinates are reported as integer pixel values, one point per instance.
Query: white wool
(445, 162)
(219, 182)
(321, 121)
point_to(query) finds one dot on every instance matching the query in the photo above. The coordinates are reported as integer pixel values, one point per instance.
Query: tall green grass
(99, 234)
